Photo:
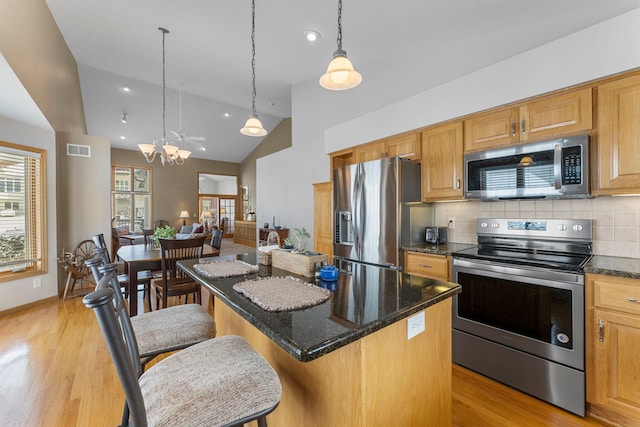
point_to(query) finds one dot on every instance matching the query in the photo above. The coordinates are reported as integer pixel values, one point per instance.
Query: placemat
(219, 269)
(282, 293)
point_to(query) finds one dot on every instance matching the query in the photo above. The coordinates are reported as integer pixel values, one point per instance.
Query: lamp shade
(253, 127)
(147, 149)
(340, 74)
(184, 214)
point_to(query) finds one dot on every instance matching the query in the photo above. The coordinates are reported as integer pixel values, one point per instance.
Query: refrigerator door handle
(358, 210)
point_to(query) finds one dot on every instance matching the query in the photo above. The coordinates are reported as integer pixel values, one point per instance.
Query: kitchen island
(347, 361)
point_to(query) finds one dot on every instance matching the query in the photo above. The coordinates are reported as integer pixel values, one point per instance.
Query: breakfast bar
(348, 360)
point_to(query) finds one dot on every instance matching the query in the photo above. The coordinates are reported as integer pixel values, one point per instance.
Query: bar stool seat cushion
(230, 382)
(172, 328)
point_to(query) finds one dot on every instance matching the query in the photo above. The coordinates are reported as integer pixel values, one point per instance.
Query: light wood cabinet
(442, 162)
(323, 218)
(550, 116)
(427, 265)
(342, 158)
(618, 150)
(406, 146)
(245, 233)
(613, 345)
(372, 151)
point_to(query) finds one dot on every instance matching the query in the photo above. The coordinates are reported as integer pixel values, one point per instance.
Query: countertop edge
(312, 353)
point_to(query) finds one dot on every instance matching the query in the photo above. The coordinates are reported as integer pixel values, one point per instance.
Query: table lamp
(184, 215)
(206, 216)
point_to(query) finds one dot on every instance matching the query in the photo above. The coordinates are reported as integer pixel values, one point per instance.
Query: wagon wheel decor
(73, 263)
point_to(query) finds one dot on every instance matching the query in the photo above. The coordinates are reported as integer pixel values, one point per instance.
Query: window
(131, 197)
(22, 237)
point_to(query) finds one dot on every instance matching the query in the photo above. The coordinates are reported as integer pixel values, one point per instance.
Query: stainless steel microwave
(556, 168)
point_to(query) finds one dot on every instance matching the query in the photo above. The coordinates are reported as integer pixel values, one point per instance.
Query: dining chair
(147, 233)
(160, 331)
(175, 282)
(160, 223)
(220, 381)
(216, 239)
(144, 276)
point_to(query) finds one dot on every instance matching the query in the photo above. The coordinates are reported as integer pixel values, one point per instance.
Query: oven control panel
(574, 229)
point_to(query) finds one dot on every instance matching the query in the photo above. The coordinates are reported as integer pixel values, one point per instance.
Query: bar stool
(221, 381)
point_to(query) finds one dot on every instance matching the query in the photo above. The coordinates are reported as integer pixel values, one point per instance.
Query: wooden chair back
(160, 223)
(216, 238)
(174, 250)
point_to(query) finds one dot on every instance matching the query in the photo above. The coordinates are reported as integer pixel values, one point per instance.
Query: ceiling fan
(180, 135)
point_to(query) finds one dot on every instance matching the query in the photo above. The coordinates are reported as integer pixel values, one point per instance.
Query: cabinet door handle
(513, 128)
(633, 300)
(601, 330)
(458, 184)
(523, 128)
(424, 265)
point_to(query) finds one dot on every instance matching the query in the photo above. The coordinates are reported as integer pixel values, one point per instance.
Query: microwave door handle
(557, 166)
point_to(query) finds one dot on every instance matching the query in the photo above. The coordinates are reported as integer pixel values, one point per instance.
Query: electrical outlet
(415, 325)
(37, 282)
(452, 223)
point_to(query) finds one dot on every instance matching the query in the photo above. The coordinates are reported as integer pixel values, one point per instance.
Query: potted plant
(301, 234)
(287, 243)
(166, 232)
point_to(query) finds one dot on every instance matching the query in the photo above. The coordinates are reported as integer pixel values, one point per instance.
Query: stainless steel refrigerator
(378, 210)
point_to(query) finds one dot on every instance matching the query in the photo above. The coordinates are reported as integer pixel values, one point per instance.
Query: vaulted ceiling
(418, 43)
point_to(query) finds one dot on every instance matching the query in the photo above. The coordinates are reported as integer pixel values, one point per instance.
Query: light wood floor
(55, 371)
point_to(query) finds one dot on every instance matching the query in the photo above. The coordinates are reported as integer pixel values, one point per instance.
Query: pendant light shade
(253, 126)
(340, 73)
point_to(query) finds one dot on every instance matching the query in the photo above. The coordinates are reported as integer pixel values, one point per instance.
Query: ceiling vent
(78, 150)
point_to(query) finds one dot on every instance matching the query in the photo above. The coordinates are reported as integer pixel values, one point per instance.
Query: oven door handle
(505, 269)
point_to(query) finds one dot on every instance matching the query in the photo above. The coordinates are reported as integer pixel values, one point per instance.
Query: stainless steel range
(520, 316)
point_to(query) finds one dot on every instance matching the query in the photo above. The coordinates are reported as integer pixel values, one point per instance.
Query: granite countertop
(614, 266)
(361, 303)
(598, 264)
(445, 249)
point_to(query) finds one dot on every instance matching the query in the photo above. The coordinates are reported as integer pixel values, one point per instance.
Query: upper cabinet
(442, 160)
(373, 151)
(550, 116)
(618, 151)
(407, 146)
(342, 158)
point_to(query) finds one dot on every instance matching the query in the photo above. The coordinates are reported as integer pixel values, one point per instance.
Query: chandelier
(166, 149)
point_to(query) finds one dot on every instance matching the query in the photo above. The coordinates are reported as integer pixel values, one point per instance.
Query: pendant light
(253, 126)
(340, 73)
(168, 152)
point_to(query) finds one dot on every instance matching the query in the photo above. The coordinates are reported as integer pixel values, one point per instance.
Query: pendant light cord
(339, 25)
(253, 56)
(164, 130)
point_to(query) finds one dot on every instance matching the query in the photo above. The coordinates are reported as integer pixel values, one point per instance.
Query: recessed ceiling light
(123, 137)
(124, 118)
(227, 114)
(311, 35)
(203, 149)
(126, 89)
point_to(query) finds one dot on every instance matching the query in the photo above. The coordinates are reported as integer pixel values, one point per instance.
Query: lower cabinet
(613, 347)
(245, 233)
(427, 265)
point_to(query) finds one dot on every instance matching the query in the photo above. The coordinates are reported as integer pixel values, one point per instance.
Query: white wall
(19, 292)
(325, 121)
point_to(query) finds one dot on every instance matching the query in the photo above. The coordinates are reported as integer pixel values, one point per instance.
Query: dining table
(138, 258)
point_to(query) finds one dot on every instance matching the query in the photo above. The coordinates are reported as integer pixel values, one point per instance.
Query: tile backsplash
(615, 219)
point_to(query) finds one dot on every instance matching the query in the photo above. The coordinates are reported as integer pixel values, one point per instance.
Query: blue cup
(329, 273)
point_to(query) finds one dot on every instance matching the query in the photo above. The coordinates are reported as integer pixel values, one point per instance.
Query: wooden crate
(297, 263)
